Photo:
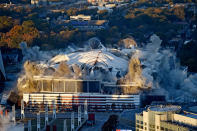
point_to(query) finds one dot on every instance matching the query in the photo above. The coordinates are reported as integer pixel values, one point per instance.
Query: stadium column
(65, 125)
(54, 110)
(79, 115)
(86, 110)
(52, 84)
(13, 114)
(46, 114)
(42, 85)
(72, 121)
(38, 121)
(64, 86)
(22, 110)
(29, 125)
(30, 103)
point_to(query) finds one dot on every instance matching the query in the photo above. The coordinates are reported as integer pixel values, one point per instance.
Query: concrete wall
(80, 98)
(171, 126)
(164, 120)
(184, 119)
(80, 17)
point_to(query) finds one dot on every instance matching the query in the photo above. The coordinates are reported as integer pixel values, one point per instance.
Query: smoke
(63, 70)
(25, 81)
(34, 53)
(77, 71)
(163, 70)
(135, 72)
(176, 80)
(7, 125)
(150, 66)
(95, 43)
(127, 43)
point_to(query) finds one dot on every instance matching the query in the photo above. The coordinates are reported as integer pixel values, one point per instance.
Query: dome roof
(93, 58)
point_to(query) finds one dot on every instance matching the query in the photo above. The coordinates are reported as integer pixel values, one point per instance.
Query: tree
(71, 11)
(13, 37)
(103, 14)
(19, 33)
(179, 12)
(111, 123)
(29, 32)
(6, 23)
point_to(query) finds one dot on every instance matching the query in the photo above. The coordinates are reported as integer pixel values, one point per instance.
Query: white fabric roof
(103, 59)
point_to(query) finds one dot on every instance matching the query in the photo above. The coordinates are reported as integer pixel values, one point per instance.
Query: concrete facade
(39, 2)
(165, 118)
(80, 17)
(94, 100)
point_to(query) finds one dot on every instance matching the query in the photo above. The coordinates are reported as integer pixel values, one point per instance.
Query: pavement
(126, 120)
(100, 119)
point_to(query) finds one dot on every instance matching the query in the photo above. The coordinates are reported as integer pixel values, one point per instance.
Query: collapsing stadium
(96, 70)
(64, 85)
(84, 74)
(73, 92)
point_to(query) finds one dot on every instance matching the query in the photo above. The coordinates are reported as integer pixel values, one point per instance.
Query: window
(166, 129)
(138, 121)
(141, 122)
(145, 123)
(162, 128)
(157, 127)
(145, 128)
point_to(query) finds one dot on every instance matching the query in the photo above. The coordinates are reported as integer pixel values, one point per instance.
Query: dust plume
(163, 70)
(7, 125)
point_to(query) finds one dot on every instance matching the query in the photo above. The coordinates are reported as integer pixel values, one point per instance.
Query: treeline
(18, 33)
(133, 21)
(141, 22)
(42, 32)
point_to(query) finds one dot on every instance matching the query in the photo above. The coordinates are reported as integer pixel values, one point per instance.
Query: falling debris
(150, 67)
(63, 70)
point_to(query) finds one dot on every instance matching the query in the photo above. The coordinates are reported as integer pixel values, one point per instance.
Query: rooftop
(86, 23)
(164, 108)
(40, 78)
(189, 114)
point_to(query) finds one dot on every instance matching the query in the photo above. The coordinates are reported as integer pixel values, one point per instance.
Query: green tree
(25, 32)
(180, 12)
(6, 23)
(72, 11)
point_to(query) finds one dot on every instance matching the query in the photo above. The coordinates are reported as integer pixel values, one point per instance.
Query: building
(74, 92)
(95, 101)
(80, 17)
(83, 23)
(39, 2)
(87, 24)
(166, 118)
(94, 2)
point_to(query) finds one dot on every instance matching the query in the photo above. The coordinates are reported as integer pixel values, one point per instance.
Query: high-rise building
(166, 118)
(39, 2)
(80, 17)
